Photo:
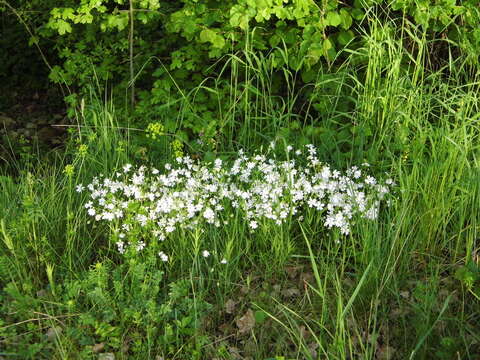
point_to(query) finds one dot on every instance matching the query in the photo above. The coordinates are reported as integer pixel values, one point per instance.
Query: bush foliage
(165, 46)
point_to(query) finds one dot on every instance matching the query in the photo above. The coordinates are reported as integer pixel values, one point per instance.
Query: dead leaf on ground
(106, 356)
(230, 306)
(291, 292)
(244, 289)
(304, 332)
(98, 347)
(53, 332)
(306, 278)
(398, 312)
(313, 349)
(235, 353)
(385, 352)
(246, 323)
(292, 271)
(225, 328)
(42, 293)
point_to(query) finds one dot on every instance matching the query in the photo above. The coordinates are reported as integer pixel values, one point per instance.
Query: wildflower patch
(187, 194)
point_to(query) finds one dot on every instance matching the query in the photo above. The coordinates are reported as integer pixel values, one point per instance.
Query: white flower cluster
(189, 193)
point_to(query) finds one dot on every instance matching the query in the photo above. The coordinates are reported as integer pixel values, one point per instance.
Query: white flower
(223, 261)
(370, 180)
(209, 215)
(140, 246)
(253, 224)
(127, 168)
(91, 212)
(120, 247)
(163, 256)
(79, 188)
(108, 216)
(205, 253)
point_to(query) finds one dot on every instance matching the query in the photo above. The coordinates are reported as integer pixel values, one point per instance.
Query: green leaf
(291, 36)
(235, 19)
(280, 12)
(63, 27)
(309, 75)
(244, 19)
(68, 14)
(329, 49)
(117, 21)
(344, 37)
(327, 44)
(209, 156)
(346, 19)
(207, 35)
(333, 19)
(358, 14)
(32, 40)
(315, 51)
(260, 316)
(218, 42)
(274, 40)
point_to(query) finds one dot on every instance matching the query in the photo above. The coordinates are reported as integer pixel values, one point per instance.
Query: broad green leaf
(333, 18)
(308, 75)
(280, 12)
(118, 21)
(32, 40)
(358, 14)
(235, 19)
(55, 13)
(291, 37)
(327, 44)
(315, 52)
(344, 37)
(63, 27)
(68, 14)
(274, 40)
(218, 41)
(346, 19)
(260, 316)
(207, 35)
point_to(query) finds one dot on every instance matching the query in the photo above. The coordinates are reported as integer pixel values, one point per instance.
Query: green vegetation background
(394, 83)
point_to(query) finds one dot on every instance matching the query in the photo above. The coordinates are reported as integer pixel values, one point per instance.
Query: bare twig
(130, 40)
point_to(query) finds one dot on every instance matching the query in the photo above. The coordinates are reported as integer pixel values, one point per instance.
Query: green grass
(405, 286)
